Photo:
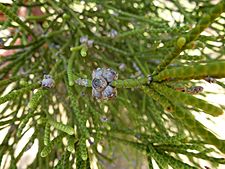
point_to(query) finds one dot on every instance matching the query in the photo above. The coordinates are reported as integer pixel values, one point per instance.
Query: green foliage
(196, 127)
(193, 34)
(63, 127)
(129, 83)
(64, 162)
(196, 71)
(71, 144)
(188, 99)
(15, 93)
(47, 134)
(36, 98)
(158, 98)
(47, 149)
(70, 69)
(15, 18)
(155, 155)
(154, 55)
(83, 149)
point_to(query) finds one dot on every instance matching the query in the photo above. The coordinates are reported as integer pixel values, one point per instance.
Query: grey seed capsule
(109, 92)
(83, 39)
(101, 79)
(96, 94)
(109, 75)
(48, 81)
(97, 73)
(99, 83)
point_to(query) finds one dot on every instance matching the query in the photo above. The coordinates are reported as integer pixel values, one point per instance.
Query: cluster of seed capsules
(101, 83)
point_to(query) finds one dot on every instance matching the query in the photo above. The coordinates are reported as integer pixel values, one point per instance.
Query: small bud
(181, 42)
(210, 79)
(113, 33)
(84, 39)
(195, 89)
(48, 81)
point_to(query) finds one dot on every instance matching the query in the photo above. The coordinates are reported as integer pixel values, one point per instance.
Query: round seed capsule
(48, 82)
(97, 73)
(109, 75)
(109, 92)
(99, 83)
(96, 94)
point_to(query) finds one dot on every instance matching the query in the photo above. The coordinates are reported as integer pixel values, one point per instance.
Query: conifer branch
(14, 17)
(196, 71)
(188, 99)
(192, 35)
(103, 70)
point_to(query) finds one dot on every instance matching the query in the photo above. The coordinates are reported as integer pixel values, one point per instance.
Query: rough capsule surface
(99, 83)
(101, 80)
